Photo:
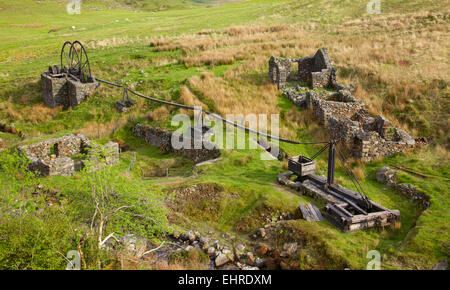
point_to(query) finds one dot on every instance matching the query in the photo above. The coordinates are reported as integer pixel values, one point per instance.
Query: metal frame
(75, 61)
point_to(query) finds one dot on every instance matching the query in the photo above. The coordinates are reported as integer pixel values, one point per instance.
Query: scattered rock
(129, 241)
(442, 265)
(230, 267)
(205, 247)
(226, 251)
(250, 268)
(262, 233)
(204, 240)
(387, 176)
(290, 248)
(221, 260)
(251, 258)
(262, 249)
(284, 265)
(259, 263)
(413, 193)
(176, 234)
(211, 251)
(189, 236)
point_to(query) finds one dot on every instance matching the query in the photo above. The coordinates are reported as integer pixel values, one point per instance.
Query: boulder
(262, 233)
(211, 251)
(221, 260)
(204, 240)
(262, 249)
(190, 236)
(259, 263)
(290, 248)
(387, 176)
(442, 265)
(176, 234)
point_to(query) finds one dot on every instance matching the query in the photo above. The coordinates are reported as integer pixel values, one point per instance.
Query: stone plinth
(54, 90)
(64, 90)
(78, 91)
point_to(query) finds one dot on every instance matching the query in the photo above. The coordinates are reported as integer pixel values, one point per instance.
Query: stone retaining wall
(163, 139)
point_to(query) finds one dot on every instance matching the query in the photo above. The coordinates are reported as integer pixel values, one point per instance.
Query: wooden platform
(310, 212)
(346, 209)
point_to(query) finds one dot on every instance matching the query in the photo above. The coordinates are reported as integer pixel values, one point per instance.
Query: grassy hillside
(216, 56)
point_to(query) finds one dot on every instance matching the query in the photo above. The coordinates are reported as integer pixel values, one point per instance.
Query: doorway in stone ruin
(54, 150)
(293, 73)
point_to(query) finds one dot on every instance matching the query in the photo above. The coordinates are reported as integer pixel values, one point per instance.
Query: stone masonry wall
(61, 90)
(339, 111)
(162, 139)
(317, 70)
(54, 90)
(54, 156)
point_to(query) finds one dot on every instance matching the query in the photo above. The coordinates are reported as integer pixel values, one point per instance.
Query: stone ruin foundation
(388, 176)
(163, 139)
(55, 156)
(61, 89)
(334, 106)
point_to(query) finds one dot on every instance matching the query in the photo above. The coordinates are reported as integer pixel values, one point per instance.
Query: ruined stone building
(55, 156)
(317, 71)
(314, 86)
(163, 139)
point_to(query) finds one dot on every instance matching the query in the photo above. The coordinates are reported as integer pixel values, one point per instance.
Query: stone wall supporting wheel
(70, 84)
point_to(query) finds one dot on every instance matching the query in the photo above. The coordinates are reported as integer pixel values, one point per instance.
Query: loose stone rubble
(163, 139)
(224, 254)
(334, 106)
(54, 156)
(389, 177)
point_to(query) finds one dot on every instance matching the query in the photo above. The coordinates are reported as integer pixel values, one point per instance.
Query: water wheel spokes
(65, 56)
(80, 62)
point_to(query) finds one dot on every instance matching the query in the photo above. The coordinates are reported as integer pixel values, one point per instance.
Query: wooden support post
(331, 162)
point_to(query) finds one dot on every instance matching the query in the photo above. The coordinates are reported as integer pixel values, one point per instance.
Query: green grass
(26, 49)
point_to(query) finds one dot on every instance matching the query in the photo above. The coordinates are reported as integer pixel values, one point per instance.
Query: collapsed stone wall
(334, 106)
(388, 176)
(163, 139)
(54, 156)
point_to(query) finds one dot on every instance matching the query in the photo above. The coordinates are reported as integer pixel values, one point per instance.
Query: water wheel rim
(81, 60)
(65, 55)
